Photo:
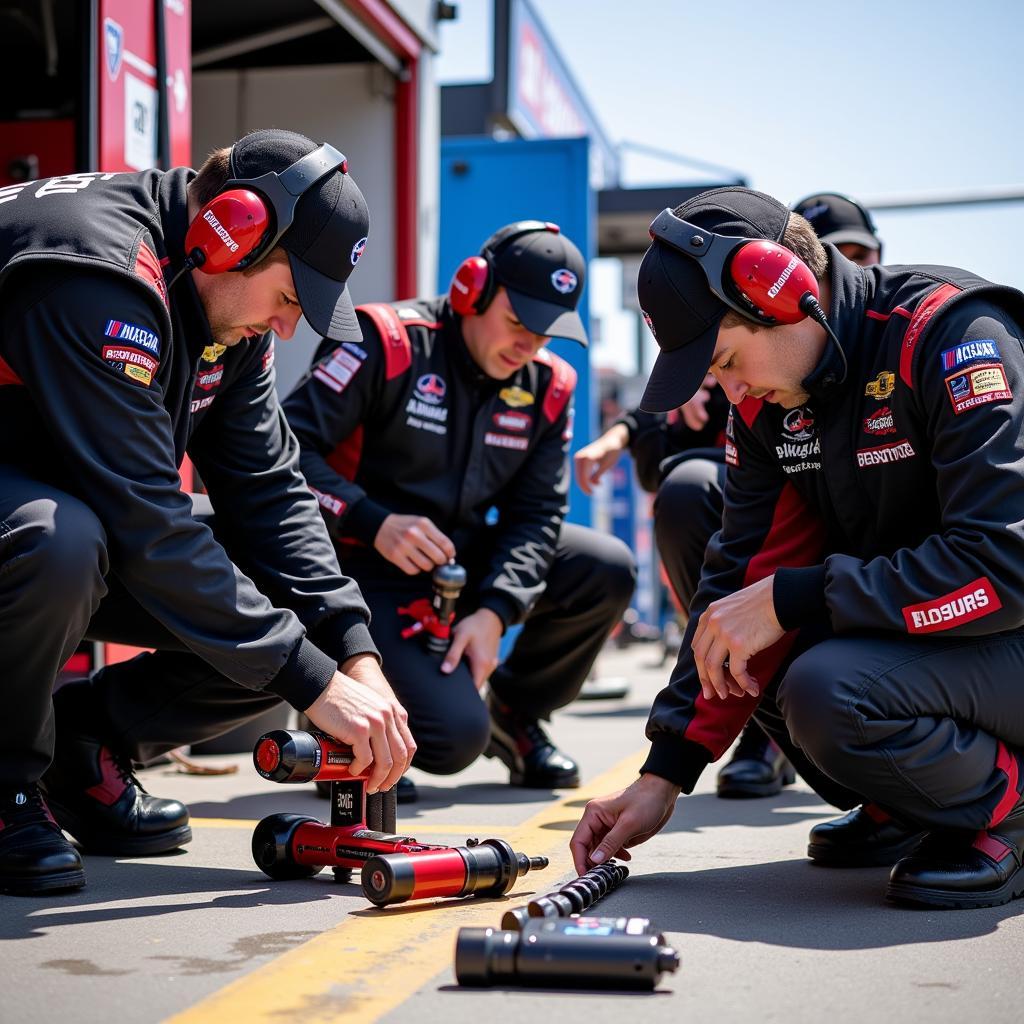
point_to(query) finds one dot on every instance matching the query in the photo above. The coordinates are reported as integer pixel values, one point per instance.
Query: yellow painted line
(375, 960)
(417, 830)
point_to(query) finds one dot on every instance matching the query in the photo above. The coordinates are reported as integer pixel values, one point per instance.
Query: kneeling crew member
(452, 410)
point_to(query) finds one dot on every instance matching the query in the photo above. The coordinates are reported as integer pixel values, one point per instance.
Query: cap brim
(678, 374)
(854, 235)
(547, 318)
(325, 303)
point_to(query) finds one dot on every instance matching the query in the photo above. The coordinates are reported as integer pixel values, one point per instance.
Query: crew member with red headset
(124, 347)
(680, 456)
(446, 435)
(865, 593)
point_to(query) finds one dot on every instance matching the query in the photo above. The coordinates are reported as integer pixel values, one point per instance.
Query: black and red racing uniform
(890, 509)
(407, 423)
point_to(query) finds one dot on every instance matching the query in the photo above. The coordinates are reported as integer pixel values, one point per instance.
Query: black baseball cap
(838, 219)
(676, 299)
(543, 273)
(327, 235)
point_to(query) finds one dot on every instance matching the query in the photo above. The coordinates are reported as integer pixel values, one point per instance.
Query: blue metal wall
(486, 184)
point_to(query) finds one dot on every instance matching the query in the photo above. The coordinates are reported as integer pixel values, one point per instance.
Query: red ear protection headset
(245, 220)
(761, 280)
(475, 280)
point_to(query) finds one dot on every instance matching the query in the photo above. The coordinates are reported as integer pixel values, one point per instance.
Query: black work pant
(55, 590)
(588, 588)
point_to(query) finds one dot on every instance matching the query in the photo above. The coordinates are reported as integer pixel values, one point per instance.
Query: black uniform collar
(845, 316)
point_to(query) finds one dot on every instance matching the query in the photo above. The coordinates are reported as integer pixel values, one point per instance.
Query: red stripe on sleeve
(926, 309)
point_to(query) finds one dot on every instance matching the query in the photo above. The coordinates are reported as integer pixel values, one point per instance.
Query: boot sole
(119, 846)
(43, 884)
(885, 857)
(902, 892)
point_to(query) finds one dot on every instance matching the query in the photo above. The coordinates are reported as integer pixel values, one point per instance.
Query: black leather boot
(35, 857)
(757, 768)
(865, 837)
(527, 751)
(94, 794)
(961, 870)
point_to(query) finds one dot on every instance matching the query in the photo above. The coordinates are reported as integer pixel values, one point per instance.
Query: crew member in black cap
(844, 223)
(126, 344)
(446, 435)
(680, 455)
(864, 597)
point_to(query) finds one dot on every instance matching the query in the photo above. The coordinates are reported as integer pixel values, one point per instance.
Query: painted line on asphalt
(374, 960)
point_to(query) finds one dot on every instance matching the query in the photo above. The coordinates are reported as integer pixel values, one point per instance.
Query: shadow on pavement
(796, 904)
(154, 884)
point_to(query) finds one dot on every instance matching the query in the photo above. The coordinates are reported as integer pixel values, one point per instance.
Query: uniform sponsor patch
(268, 358)
(516, 397)
(431, 388)
(884, 454)
(514, 421)
(798, 425)
(564, 280)
(213, 352)
(880, 423)
(133, 334)
(974, 601)
(978, 386)
(131, 362)
(351, 346)
(200, 403)
(732, 455)
(520, 444)
(881, 387)
(970, 352)
(209, 379)
(339, 370)
(331, 502)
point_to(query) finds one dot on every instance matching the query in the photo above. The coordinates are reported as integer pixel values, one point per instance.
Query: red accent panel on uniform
(344, 460)
(750, 409)
(926, 309)
(1007, 764)
(397, 349)
(994, 847)
(795, 538)
(431, 325)
(872, 314)
(560, 387)
(7, 375)
(147, 266)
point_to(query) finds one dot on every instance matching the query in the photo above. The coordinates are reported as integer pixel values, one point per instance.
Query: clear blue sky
(871, 98)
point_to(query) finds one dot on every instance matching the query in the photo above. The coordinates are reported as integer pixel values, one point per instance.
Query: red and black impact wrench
(361, 835)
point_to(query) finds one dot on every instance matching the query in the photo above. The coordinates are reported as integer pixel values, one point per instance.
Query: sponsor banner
(974, 601)
(978, 386)
(339, 370)
(897, 451)
(880, 423)
(970, 352)
(331, 502)
(117, 354)
(516, 397)
(210, 379)
(881, 387)
(517, 422)
(133, 334)
(520, 444)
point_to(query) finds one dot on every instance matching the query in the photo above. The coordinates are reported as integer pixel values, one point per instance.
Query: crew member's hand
(413, 543)
(729, 633)
(611, 824)
(595, 459)
(359, 708)
(477, 636)
(695, 411)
